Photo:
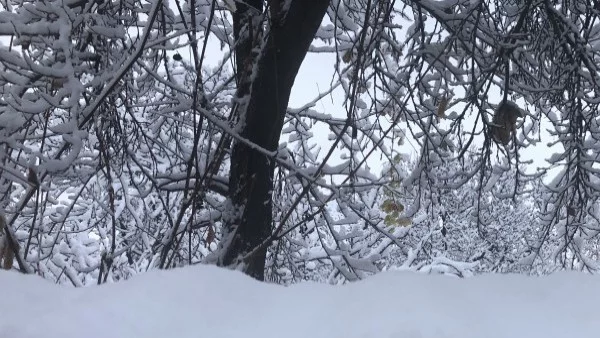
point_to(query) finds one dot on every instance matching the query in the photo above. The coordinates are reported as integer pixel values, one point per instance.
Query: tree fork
(251, 173)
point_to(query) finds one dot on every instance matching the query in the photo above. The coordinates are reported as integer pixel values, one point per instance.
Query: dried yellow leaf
(442, 105)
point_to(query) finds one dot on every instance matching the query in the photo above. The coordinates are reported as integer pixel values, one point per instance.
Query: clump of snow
(205, 301)
(11, 120)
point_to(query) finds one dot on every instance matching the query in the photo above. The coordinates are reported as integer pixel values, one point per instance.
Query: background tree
(160, 135)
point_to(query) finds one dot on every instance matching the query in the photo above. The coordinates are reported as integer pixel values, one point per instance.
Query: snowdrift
(205, 301)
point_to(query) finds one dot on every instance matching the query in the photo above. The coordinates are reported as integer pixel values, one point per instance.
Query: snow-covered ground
(204, 301)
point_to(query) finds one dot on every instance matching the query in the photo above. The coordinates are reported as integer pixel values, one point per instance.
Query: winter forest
(454, 137)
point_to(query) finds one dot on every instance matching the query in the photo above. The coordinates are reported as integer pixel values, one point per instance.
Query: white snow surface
(205, 301)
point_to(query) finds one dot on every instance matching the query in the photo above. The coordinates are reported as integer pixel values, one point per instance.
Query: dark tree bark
(251, 173)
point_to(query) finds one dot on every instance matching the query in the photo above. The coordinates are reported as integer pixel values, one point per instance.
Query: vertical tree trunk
(251, 173)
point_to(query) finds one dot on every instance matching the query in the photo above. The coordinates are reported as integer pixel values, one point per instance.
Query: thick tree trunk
(251, 173)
